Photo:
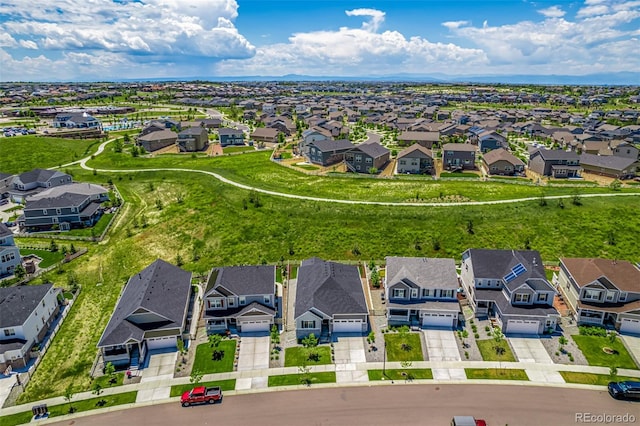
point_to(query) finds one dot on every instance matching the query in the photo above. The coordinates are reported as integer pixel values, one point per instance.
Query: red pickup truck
(201, 395)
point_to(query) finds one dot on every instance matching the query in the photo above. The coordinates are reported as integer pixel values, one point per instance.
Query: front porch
(121, 356)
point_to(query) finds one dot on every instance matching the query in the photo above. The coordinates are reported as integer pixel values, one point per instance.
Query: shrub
(588, 330)
(477, 336)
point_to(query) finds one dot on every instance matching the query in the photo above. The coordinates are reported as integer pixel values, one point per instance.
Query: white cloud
(28, 44)
(552, 12)
(377, 18)
(593, 10)
(455, 24)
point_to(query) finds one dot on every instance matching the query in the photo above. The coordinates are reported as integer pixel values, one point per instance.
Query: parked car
(467, 421)
(201, 395)
(629, 389)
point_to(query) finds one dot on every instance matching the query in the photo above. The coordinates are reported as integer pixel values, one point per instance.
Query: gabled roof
(192, 131)
(330, 287)
(73, 194)
(466, 147)
(160, 288)
(555, 154)
(499, 264)
(419, 136)
(242, 280)
(621, 273)
(159, 134)
(4, 231)
(612, 162)
(225, 131)
(416, 151)
(18, 302)
(422, 271)
(372, 149)
(39, 175)
(327, 145)
(501, 154)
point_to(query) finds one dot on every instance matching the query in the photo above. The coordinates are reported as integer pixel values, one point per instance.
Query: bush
(477, 336)
(587, 330)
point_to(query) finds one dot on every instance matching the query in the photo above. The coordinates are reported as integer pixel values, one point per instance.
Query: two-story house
(76, 205)
(230, 136)
(555, 163)
(34, 181)
(329, 299)
(150, 314)
(327, 152)
(459, 156)
(422, 292)
(489, 140)
(424, 139)
(510, 286)
(311, 135)
(76, 120)
(501, 162)
(193, 139)
(9, 253)
(415, 159)
(602, 292)
(26, 312)
(159, 139)
(367, 157)
(241, 298)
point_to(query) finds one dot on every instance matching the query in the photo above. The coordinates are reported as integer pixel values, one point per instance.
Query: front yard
(496, 374)
(205, 362)
(298, 379)
(297, 356)
(401, 374)
(492, 351)
(405, 347)
(593, 348)
(591, 378)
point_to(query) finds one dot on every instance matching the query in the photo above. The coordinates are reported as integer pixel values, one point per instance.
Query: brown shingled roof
(623, 274)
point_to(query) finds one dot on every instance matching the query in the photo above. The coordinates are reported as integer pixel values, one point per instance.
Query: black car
(625, 390)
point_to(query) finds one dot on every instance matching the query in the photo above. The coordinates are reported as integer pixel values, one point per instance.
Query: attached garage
(630, 325)
(347, 326)
(161, 343)
(253, 326)
(439, 320)
(522, 327)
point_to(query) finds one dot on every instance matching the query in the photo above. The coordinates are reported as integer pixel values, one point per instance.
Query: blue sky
(42, 40)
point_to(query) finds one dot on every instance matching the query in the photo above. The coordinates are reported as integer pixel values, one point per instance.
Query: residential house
(502, 162)
(327, 152)
(425, 139)
(555, 163)
(151, 313)
(160, 124)
(230, 136)
(609, 165)
(488, 140)
(9, 253)
(241, 298)
(511, 287)
(34, 181)
(628, 150)
(367, 157)
(602, 292)
(415, 159)
(193, 139)
(265, 135)
(5, 184)
(154, 141)
(422, 292)
(311, 135)
(211, 123)
(26, 312)
(329, 299)
(76, 120)
(459, 156)
(76, 205)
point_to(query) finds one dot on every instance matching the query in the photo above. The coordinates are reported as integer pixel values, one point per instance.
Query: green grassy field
(591, 348)
(591, 378)
(23, 153)
(297, 355)
(204, 363)
(496, 374)
(401, 374)
(488, 352)
(296, 379)
(395, 351)
(48, 257)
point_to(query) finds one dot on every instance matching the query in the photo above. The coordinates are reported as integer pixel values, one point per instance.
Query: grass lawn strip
(295, 379)
(225, 385)
(496, 374)
(488, 351)
(591, 347)
(592, 378)
(297, 356)
(48, 257)
(204, 353)
(395, 351)
(396, 374)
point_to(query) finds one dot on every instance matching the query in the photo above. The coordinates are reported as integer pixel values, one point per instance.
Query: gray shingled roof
(612, 162)
(327, 145)
(330, 287)
(467, 147)
(160, 288)
(496, 264)
(160, 134)
(506, 308)
(422, 271)
(223, 131)
(4, 231)
(416, 151)
(557, 154)
(18, 302)
(372, 149)
(243, 280)
(38, 175)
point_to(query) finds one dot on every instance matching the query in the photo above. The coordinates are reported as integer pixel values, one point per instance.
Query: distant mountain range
(610, 79)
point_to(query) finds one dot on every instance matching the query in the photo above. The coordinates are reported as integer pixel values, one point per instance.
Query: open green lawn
(23, 153)
(591, 378)
(395, 350)
(397, 374)
(48, 257)
(105, 381)
(459, 175)
(204, 352)
(298, 355)
(591, 347)
(496, 374)
(296, 379)
(225, 385)
(489, 352)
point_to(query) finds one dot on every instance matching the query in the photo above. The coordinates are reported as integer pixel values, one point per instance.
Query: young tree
(214, 340)
(110, 370)
(69, 392)
(19, 271)
(195, 378)
(97, 391)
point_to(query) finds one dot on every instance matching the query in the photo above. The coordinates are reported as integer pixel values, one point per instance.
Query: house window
(399, 292)
(44, 212)
(231, 302)
(403, 162)
(58, 211)
(414, 293)
(623, 296)
(9, 332)
(591, 295)
(610, 297)
(307, 324)
(216, 303)
(243, 300)
(369, 160)
(43, 303)
(427, 292)
(267, 299)
(522, 298)
(543, 297)
(358, 158)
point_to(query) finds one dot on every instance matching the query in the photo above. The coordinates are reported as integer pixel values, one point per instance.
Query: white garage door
(161, 343)
(347, 326)
(438, 320)
(261, 325)
(522, 327)
(630, 325)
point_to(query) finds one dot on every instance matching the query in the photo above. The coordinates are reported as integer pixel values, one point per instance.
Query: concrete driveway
(349, 350)
(441, 345)
(6, 383)
(254, 353)
(530, 349)
(161, 366)
(633, 346)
